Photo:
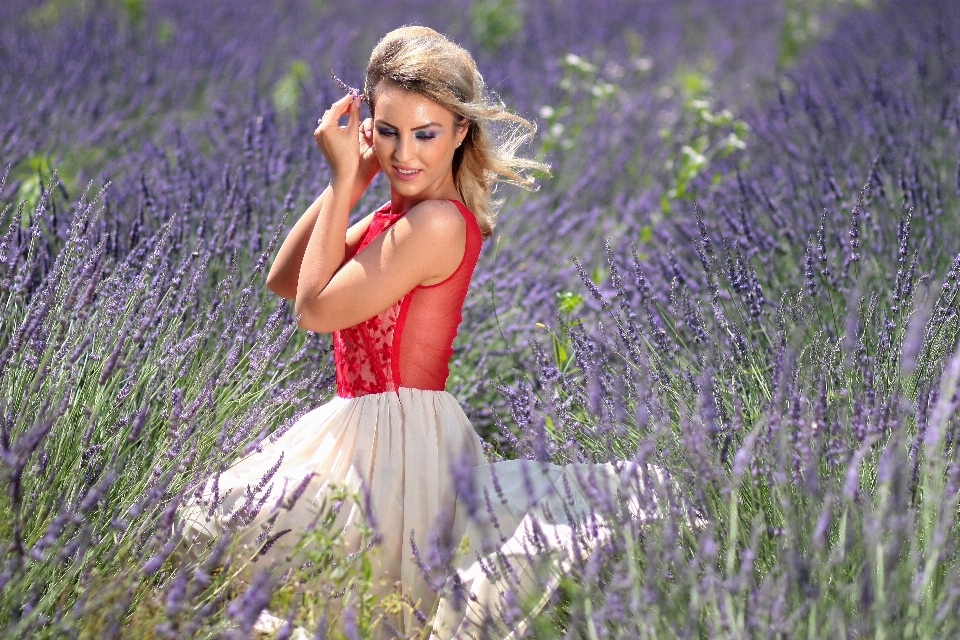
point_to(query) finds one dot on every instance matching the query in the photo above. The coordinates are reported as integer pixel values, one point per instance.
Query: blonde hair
(423, 61)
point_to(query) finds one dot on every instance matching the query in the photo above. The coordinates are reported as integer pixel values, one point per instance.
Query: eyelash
(419, 136)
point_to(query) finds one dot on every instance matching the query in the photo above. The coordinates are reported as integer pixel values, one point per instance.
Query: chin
(407, 189)
(401, 188)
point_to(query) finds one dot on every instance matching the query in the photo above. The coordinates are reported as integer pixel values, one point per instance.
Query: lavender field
(745, 269)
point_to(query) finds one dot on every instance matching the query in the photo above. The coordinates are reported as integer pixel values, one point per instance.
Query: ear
(463, 128)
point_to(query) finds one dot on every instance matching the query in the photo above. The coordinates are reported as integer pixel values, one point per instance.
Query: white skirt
(518, 524)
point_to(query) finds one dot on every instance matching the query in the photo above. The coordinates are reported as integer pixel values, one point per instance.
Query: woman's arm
(285, 272)
(424, 247)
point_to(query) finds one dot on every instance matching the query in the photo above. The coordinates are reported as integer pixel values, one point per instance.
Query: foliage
(709, 136)
(289, 89)
(495, 22)
(803, 22)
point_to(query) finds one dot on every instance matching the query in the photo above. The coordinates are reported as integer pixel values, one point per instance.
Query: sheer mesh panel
(410, 343)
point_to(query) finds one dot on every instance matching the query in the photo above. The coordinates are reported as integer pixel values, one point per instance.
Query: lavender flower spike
(351, 90)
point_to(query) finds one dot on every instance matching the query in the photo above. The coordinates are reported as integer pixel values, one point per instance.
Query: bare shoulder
(439, 219)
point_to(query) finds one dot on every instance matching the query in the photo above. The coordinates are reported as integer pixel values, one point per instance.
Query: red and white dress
(393, 428)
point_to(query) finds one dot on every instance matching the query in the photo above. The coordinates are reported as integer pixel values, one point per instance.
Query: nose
(401, 149)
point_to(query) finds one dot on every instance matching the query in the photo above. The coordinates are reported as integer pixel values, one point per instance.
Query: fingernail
(356, 102)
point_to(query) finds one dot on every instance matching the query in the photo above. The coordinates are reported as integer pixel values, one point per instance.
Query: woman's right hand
(337, 143)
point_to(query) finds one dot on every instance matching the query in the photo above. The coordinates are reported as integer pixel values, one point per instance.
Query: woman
(391, 288)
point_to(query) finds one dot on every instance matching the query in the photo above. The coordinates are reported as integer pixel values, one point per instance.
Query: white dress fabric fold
(520, 528)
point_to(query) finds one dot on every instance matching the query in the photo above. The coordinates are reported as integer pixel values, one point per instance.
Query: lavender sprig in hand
(356, 93)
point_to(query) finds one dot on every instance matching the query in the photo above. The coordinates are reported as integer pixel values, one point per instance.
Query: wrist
(366, 175)
(343, 180)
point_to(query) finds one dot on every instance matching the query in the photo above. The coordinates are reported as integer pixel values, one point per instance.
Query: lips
(406, 174)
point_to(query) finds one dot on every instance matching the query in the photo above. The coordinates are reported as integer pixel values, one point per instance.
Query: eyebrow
(423, 126)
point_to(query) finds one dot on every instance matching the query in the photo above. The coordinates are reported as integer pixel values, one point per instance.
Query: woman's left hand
(369, 162)
(339, 144)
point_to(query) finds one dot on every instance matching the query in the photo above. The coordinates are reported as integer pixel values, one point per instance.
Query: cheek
(436, 152)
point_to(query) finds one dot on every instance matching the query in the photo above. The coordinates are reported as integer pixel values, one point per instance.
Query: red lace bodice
(410, 343)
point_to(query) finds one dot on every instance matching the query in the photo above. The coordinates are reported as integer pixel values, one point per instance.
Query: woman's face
(415, 139)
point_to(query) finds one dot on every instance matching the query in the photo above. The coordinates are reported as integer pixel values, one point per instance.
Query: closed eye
(419, 135)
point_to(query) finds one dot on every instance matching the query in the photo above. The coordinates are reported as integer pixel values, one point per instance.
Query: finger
(327, 116)
(354, 122)
(343, 105)
(332, 115)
